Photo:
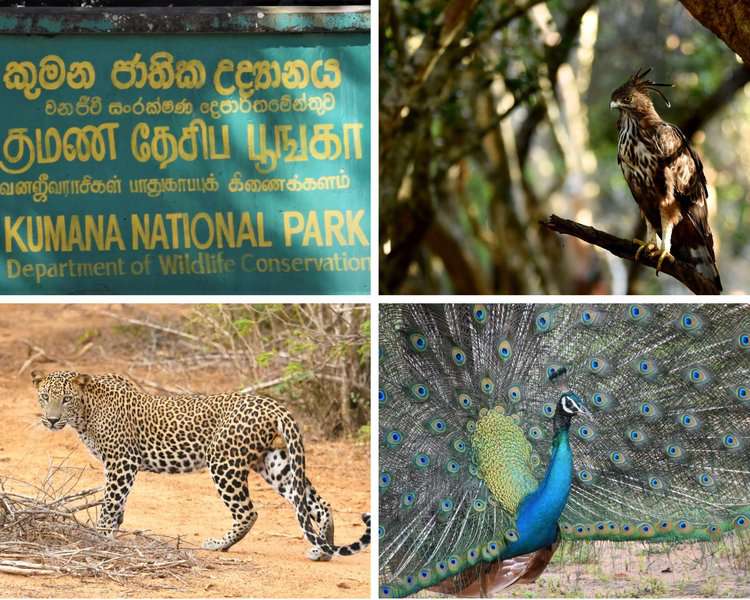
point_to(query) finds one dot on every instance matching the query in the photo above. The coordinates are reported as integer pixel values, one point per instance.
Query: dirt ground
(269, 562)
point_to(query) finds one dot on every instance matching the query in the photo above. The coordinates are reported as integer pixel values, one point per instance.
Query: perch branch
(681, 271)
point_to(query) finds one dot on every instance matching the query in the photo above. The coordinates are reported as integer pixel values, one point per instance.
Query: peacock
(506, 428)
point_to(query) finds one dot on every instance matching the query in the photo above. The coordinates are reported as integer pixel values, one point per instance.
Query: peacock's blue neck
(540, 511)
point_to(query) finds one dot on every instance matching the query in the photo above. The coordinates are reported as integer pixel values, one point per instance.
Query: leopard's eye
(66, 399)
(44, 396)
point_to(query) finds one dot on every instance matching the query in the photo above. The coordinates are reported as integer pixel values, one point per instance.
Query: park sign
(185, 151)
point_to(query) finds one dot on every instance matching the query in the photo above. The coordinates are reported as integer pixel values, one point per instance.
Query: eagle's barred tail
(289, 430)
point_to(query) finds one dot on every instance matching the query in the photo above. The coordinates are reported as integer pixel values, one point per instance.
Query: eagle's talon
(664, 254)
(650, 248)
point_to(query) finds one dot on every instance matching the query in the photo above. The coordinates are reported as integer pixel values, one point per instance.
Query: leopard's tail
(289, 430)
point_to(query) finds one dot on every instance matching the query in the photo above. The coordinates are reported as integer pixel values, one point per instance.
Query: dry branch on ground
(49, 532)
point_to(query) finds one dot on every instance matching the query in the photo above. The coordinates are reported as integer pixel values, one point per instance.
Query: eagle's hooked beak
(614, 104)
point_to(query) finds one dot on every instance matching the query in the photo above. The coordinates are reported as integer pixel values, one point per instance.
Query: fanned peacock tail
(467, 402)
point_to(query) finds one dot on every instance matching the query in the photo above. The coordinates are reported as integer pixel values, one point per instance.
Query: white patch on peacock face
(570, 406)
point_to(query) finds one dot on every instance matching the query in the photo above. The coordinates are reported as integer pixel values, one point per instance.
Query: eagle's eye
(628, 99)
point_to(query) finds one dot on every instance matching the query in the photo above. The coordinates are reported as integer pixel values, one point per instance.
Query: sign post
(185, 151)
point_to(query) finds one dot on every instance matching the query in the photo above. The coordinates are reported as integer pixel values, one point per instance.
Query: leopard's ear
(82, 380)
(36, 378)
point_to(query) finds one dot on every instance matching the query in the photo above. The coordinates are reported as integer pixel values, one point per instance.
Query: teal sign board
(171, 164)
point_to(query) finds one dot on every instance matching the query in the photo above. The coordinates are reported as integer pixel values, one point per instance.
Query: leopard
(231, 434)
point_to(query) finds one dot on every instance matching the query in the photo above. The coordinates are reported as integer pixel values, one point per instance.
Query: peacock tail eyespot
(636, 436)
(479, 505)
(627, 528)
(465, 401)
(504, 350)
(459, 445)
(458, 356)
(452, 467)
(438, 426)
(535, 433)
(381, 532)
(684, 526)
(691, 322)
(713, 530)
(514, 393)
(418, 342)
(471, 426)
(586, 432)
(441, 567)
(590, 316)
(566, 527)
(741, 392)
(742, 521)
(386, 591)
(454, 564)
(674, 451)
(743, 339)
(420, 391)
(698, 375)
(656, 483)
(491, 550)
(617, 458)
(731, 441)
(385, 480)
(511, 535)
(649, 410)
(487, 386)
(394, 438)
(548, 410)
(706, 480)
(382, 396)
(408, 499)
(543, 321)
(665, 526)
(585, 476)
(638, 312)
(597, 365)
(580, 530)
(647, 367)
(600, 526)
(425, 576)
(647, 530)
(600, 399)
(688, 421)
(422, 460)
(479, 312)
